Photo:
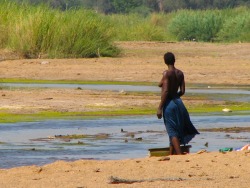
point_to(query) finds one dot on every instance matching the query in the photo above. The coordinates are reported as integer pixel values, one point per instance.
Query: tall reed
(135, 27)
(39, 30)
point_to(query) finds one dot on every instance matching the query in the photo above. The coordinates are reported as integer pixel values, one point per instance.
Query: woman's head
(169, 58)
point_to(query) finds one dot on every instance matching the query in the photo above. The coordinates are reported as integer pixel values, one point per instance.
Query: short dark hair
(169, 58)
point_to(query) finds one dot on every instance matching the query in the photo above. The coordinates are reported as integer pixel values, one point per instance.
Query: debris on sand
(116, 180)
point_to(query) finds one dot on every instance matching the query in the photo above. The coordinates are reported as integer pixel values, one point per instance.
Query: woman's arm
(161, 82)
(164, 94)
(182, 87)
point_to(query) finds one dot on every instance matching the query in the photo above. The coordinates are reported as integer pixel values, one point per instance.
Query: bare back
(173, 80)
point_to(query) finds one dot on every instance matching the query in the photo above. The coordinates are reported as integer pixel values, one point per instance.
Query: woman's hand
(159, 113)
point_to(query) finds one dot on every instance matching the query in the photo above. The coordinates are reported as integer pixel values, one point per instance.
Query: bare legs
(175, 147)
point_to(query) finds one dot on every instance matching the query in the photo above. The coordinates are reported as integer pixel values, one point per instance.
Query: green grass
(13, 118)
(237, 108)
(97, 82)
(135, 27)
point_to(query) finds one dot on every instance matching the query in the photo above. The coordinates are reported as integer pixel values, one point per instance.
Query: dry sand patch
(193, 170)
(142, 61)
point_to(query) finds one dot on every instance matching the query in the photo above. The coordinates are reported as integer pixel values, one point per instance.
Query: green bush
(196, 25)
(236, 28)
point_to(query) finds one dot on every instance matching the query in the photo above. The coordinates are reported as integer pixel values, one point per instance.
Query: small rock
(202, 151)
(49, 98)
(80, 143)
(39, 170)
(122, 131)
(139, 139)
(97, 170)
(164, 159)
(122, 92)
(44, 62)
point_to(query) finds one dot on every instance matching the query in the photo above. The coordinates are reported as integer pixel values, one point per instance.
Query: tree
(160, 5)
(224, 4)
(103, 6)
(171, 5)
(152, 5)
(128, 6)
(125, 6)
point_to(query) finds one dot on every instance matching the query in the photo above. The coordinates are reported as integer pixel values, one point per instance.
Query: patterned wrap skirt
(177, 121)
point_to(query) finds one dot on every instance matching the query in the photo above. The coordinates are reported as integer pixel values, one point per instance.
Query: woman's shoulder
(165, 72)
(179, 72)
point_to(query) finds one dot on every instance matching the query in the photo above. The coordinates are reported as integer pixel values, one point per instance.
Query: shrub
(196, 25)
(236, 28)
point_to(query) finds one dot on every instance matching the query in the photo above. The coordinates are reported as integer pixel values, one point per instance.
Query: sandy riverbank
(193, 170)
(201, 62)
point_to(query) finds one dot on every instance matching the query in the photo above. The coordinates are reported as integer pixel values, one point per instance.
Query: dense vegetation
(33, 31)
(38, 30)
(141, 6)
(228, 25)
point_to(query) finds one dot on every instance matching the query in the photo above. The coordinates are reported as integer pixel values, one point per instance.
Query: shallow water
(20, 144)
(121, 87)
(237, 95)
(28, 144)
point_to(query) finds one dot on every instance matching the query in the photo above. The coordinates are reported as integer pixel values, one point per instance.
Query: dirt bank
(204, 63)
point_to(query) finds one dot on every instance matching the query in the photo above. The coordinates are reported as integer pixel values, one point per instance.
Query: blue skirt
(177, 121)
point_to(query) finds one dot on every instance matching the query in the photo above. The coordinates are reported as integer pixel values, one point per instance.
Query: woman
(176, 118)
